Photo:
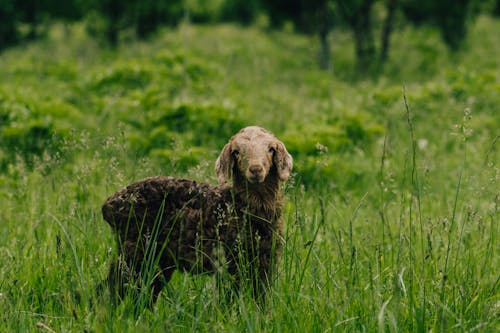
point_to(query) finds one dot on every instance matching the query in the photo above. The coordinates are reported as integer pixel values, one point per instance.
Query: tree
(387, 29)
(311, 17)
(318, 17)
(113, 12)
(324, 25)
(143, 16)
(357, 14)
(496, 8)
(449, 16)
(8, 25)
(29, 12)
(68, 10)
(243, 11)
(148, 15)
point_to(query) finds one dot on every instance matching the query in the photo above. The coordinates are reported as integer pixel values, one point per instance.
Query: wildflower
(422, 144)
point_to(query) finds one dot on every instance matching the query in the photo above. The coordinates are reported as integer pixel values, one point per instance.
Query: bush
(29, 130)
(120, 78)
(321, 150)
(176, 133)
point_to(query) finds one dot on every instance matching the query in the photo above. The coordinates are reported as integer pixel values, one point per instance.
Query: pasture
(391, 215)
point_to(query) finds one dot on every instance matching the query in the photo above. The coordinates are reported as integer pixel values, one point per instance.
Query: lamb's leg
(250, 272)
(118, 277)
(125, 273)
(268, 255)
(159, 281)
(229, 283)
(252, 276)
(133, 269)
(263, 280)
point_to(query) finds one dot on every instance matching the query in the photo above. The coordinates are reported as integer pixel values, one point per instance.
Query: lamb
(163, 224)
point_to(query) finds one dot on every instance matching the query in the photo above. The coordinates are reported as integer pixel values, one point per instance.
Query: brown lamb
(163, 224)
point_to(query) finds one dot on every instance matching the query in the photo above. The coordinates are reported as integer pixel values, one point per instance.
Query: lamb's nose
(256, 169)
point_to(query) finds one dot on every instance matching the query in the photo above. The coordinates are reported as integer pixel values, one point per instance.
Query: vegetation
(391, 216)
(111, 20)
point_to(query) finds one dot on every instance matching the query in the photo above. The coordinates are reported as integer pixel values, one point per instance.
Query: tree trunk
(387, 30)
(453, 26)
(113, 11)
(496, 9)
(323, 31)
(112, 35)
(8, 29)
(363, 36)
(324, 56)
(33, 18)
(358, 16)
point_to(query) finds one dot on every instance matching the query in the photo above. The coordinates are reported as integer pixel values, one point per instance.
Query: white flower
(321, 148)
(422, 144)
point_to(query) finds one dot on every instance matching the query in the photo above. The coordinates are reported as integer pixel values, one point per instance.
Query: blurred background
(370, 22)
(178, 77)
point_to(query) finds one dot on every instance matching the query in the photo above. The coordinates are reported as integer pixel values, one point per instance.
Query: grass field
(391, 216)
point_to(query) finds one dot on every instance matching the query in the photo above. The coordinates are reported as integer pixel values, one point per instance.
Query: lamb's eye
(235, 153)
(272, 150)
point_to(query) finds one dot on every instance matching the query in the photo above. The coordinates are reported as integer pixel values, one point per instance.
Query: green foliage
(210, 124)
(316, 148)
(30, 128)
(203, 11)
(8, 32)
(180, 66)
(304, 15)
(186, 134)
(120, 78)
(148, 15)
(450, 17)
(243, 11)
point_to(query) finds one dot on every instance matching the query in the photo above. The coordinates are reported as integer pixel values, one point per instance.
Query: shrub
(29, 130)
(120, 78)
(321, 150)
(176, 133)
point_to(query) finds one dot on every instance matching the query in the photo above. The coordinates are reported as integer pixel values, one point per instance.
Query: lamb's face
(254, 151)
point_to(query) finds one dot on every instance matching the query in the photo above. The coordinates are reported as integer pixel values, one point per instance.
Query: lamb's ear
(224, 164)
(283, 161)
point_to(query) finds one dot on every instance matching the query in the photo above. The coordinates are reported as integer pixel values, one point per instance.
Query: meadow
(391, 214)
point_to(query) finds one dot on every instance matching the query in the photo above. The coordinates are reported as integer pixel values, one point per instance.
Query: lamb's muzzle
(184, 225)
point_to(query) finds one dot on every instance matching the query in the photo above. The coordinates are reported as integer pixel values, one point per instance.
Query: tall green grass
(400, 235)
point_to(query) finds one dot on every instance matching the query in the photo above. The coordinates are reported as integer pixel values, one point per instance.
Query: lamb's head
(255, 154)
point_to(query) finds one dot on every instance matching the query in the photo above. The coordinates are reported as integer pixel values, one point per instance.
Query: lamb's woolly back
(187, 221)
(163, 200)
